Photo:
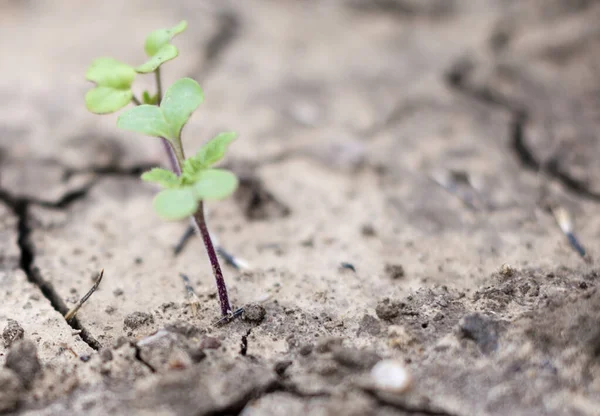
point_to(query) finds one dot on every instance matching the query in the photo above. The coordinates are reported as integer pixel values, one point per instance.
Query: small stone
(306, 349)
(506, 270)
(391, 376)
(394, 271)
(11, 389)
(254, 313)
(23, 360)
(137, 319)
(12, 332)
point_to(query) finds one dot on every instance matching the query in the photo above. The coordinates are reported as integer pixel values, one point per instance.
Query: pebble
(12, 332)
(254, 313)
(391, 376)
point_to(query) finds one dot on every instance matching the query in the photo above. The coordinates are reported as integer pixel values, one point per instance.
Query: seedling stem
(177, 157)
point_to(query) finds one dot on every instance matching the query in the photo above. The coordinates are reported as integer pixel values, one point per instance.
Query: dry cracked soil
(402, 163)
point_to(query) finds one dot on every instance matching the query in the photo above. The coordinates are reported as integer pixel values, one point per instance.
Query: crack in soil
(407, 408)
(135, 170)
(457, 78)
(138, 356)
(277, 386)
(20, 208)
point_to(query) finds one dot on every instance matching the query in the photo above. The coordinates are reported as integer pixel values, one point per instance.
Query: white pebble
(391, 375)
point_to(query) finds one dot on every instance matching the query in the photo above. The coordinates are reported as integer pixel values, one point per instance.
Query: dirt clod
(355, 358)
(306, 349)
(506, 270)
(11, 389)
(370, 325)
(210, 343)
(23, 360)
(137, 319)
(387, 309)
(281, 366)
(394, 271)
(328, 344)
(106, 355)
(368, 230)
(254, 313)
(12, 332)
(482, 330)
(184, 328)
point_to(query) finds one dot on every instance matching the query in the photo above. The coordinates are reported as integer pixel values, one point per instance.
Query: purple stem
(212, 256)
(172, 159)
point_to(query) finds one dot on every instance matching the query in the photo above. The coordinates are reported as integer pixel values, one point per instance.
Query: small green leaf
(179, 102)
(215, 184)
(215, 149)
(158, 48)
(208, 155)
(104, 100)
(113, 85)
(161, 37)
(163, 177)
(175, 204)
(146, 119)
(164, 54)
(109, 72)
(149, 99)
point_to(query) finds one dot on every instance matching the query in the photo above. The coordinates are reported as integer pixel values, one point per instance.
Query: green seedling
(191, 181)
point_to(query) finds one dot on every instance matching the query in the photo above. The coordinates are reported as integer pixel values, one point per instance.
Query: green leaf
(113, 85)
(158, 48)
(215, 184)
(163, 177)
(208, 155)
(215, 149)
(175, 204)
(161, 37)
(146, 119)
(164, 54)
(104, 100)
(109, 72)
(180, 101)
(149, 99)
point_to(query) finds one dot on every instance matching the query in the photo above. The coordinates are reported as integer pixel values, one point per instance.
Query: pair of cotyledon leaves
(113, 78)
(198, 181)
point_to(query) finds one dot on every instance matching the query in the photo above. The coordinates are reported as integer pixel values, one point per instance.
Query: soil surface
(400, 165)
